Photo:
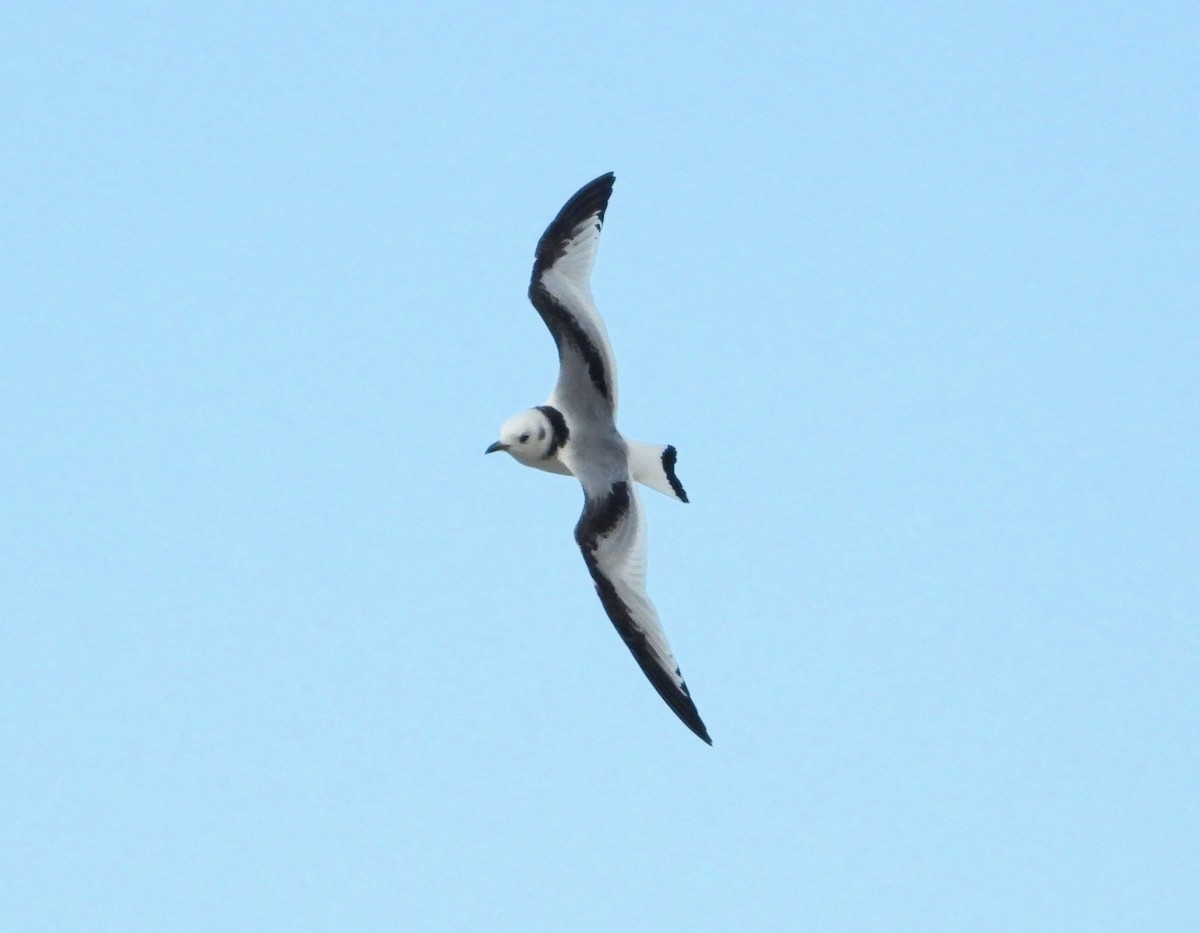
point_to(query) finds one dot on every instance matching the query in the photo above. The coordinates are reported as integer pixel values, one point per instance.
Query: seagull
(575, 434)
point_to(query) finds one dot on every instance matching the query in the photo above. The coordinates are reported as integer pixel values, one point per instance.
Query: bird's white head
(528, 436)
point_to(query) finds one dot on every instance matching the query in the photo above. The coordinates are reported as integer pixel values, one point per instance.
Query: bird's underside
(575, 432)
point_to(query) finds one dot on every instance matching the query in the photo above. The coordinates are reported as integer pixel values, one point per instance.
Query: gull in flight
(575, 434)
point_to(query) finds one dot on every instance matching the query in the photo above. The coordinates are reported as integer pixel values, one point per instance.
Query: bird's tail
(653, 465)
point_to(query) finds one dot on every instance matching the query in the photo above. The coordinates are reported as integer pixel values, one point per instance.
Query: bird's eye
(523, 438)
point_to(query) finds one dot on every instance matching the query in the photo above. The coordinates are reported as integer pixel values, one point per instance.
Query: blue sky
(914, 290)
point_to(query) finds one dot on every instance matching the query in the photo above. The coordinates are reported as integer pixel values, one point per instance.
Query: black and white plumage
(575, 433)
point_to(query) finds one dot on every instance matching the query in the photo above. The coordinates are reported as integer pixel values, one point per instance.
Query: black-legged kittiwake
(575, 433)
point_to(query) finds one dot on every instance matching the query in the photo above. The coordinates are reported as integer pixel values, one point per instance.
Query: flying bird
(575, 434)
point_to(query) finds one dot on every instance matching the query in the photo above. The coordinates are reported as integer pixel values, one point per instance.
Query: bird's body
(652, 465)
(575, 433)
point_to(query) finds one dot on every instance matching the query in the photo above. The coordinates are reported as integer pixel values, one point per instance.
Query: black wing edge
(563, 326)
(591, 199)
(598, 519)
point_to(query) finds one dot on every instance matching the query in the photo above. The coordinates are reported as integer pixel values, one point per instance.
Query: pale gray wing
(560, 289)
(611, 533)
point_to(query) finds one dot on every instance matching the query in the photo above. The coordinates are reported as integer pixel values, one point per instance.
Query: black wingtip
(682, 706)
(591, 199)
(694, 723)
(678, 698)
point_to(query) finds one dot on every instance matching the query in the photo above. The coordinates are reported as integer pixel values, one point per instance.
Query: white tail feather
(653, 465)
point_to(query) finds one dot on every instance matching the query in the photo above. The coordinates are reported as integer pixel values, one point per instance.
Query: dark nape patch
(564, 326)
(558, 429)
(668, 462)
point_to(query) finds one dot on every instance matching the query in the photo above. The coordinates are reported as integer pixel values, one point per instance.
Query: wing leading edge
(560, 290)
(611, 534)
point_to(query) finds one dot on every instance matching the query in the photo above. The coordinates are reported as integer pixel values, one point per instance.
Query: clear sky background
(914, 289)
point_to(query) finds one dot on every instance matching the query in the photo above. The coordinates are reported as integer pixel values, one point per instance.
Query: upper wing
(612, 535)
(560, 289)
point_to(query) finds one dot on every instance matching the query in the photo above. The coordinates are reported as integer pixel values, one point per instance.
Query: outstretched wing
(560, 289)
(612, 535)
